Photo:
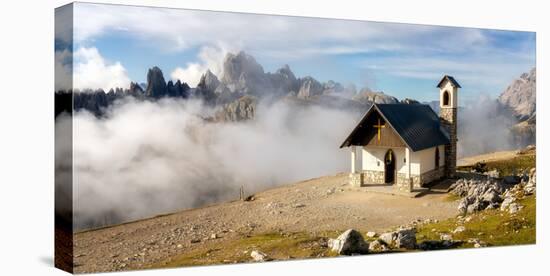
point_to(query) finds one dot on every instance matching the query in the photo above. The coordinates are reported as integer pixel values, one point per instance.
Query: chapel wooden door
(389, 167)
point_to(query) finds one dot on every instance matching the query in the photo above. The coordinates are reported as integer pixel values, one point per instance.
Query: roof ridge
(417, 125)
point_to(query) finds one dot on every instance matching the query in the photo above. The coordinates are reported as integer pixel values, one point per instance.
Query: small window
(437, 157)
(446, 98)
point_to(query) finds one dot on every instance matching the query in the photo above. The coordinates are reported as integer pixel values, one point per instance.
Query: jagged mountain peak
(368, 96)
(285, 71)
(235, 66)
(156, 85)
(520, 95)
(209, 80)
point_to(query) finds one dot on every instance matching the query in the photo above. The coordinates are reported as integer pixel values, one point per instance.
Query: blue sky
(117, 44)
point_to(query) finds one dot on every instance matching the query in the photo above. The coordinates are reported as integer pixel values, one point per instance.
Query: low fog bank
(485, 126)
(146, 158)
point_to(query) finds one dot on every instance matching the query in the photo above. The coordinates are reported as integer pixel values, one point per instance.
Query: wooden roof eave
(346, 142)
(374, 106)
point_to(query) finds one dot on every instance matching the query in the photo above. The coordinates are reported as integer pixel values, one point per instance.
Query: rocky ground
(326, 217)
(491, 213)
(309, 208)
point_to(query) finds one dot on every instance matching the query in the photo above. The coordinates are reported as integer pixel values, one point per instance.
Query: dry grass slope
(507, 163)
(494, 227)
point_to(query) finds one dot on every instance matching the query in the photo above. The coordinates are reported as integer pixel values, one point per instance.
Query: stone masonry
(448, 118)
(366, 177)
(373, 177)
(403, 183)
(356, 179)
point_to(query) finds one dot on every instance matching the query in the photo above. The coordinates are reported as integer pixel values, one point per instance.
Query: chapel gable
(374, 130)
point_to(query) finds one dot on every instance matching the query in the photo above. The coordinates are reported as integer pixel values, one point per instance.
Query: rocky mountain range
(243, 83)
(519, 98)
(237, 91)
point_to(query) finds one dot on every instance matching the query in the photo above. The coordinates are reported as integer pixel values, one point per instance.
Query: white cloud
(483, 71)
(178, 29)
(63, 72)
(125, 170)
(91, 70)
(209, 58)
(406, 50)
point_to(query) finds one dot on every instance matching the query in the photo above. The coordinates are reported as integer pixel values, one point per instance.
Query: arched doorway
(389, 167)
(446, 98)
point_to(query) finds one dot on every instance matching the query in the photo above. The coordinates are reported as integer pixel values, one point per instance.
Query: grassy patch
(493, 227)
(452, 197)
(520, 163)
(276, 245)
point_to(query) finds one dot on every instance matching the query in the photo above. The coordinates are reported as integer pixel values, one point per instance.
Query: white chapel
(406, 145)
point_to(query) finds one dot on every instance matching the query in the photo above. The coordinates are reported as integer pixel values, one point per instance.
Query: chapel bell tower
(448, 104)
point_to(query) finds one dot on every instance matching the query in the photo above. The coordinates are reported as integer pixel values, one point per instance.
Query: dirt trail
(323, 204)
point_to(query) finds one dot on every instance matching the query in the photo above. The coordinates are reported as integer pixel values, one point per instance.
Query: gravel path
(322, 204)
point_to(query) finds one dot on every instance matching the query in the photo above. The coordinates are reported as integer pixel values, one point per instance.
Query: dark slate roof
(417, 125)
(449, 78)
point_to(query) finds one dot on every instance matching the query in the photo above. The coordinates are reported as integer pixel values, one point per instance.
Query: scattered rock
(473, 240)
(493, 174)
(514, 208)
(249, 198)
(378, 246)
(480, 167)
(506, 203)
(477, 243)
(195, 240)
(298, 205)
(530, 187)
(388, 238)
(491, 196)
(490, 193)
(214, 236)
(402, 238)
(259, 256)
(349, 242)
(406, 238)
(459, 229)
(446, 237)
(371, 234)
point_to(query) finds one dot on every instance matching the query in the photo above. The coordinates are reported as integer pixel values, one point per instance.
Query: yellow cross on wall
(379, 126)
